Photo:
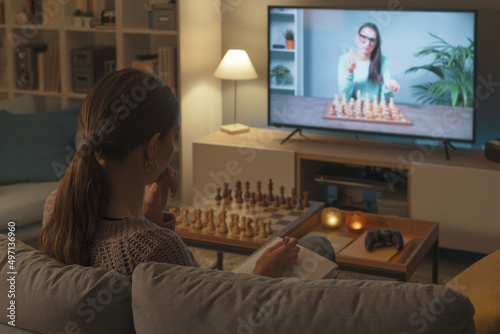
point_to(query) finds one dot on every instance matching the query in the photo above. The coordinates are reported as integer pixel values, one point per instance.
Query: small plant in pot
(77, 18)
(88, 18)
(280, 72)
(289, 37)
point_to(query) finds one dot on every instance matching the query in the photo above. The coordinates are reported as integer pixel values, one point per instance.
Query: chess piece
(375, 102)
(239, 198)
(247, 190)
(218, 197)
(258, 195)
(257, 221)
(229, 198)
(391, 103)
(238, 185)
(248, 228)
(223, 228)
(254, 199)
(264, 201)
(222, 216)
(197, 220)
(210, 223)
(305, 201)
(344, 99)
(300, 207)
(276, 203)
(398, 115)
(234, 223)
(282, 195)
(225, 192)
(336, 101)
(270, 196)
(268, 227)
(288, 205)
(184, 218)
(263, 234)
(294, 196)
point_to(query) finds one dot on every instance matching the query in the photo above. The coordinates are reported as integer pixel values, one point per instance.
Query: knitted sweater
(124, 244)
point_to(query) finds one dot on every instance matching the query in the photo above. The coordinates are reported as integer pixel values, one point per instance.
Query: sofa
(51, 297)
(34, 148)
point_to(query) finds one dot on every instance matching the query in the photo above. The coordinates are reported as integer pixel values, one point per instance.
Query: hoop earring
(147, 163)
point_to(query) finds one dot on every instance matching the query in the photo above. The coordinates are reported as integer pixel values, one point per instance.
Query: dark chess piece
(258, 195)
(247, 190)
(282, 195)
(225, 192)
(264, 200)
(218, 197)
(254, 200)
(270, 196)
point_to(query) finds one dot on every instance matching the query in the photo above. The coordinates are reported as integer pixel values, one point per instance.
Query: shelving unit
(131, 37)
(283, 19)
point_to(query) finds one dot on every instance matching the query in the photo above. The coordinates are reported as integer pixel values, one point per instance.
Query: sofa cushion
(36, 147)
(23, 203)
(185, 299)
(480, 282)
(51, 297)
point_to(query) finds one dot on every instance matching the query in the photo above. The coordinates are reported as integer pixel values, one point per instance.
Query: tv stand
(299, 130)
(447, 143)
(460, 194)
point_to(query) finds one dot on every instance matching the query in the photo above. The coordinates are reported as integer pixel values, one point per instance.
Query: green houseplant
(280, 72)
(454, 66)
(289, 37)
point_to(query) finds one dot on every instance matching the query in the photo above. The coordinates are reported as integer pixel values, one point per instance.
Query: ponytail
(80, 202)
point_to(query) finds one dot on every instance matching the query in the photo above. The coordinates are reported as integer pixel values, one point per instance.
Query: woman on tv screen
(367, 70)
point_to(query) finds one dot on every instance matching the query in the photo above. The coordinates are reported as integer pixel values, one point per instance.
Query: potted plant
(454, 66)
(290, 44)
(88, 17)
(280, 72)
(78, 18)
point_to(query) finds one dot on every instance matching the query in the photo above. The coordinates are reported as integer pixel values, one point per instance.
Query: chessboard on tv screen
(402, 72)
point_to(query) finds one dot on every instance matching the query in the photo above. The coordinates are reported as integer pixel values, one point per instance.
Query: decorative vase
(77, 21)
(280, 81)
(290, 44)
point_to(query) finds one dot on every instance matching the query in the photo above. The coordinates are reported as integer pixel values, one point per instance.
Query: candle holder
(331, 217)
(355, 221)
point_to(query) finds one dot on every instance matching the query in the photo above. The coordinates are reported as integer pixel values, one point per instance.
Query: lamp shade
(235, 65)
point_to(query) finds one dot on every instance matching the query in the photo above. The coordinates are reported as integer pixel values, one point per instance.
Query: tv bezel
(375, 133)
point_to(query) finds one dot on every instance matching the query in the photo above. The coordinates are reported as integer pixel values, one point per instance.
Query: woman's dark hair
(123, 110)
(376, 56)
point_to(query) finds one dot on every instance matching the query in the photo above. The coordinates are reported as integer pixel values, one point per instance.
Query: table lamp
(235, 65)
(331, 217)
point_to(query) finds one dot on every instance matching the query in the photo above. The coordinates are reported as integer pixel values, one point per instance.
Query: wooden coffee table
(426, 239)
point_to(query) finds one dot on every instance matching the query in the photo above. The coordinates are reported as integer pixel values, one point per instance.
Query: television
(404, 73)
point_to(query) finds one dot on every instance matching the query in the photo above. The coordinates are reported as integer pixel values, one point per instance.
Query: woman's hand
(393, 86)
(351, 62)
(156, 194)
(278, 259)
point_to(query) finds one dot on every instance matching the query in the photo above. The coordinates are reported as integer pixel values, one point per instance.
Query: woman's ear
(152, 146)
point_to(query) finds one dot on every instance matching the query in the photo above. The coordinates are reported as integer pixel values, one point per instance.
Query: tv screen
(408, 73)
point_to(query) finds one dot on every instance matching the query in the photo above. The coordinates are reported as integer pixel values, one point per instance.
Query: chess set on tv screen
(407, 73)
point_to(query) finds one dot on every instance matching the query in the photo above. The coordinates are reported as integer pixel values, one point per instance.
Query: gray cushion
(184, 299)
(51, 297)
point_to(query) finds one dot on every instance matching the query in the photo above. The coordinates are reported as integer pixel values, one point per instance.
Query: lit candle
(355, 221)
(331, 217)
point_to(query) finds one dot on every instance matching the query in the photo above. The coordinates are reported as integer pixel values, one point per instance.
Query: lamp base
(234, 128)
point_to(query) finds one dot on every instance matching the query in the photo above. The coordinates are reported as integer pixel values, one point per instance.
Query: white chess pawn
(336, 101)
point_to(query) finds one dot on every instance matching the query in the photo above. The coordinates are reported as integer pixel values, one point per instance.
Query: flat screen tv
(406, 73)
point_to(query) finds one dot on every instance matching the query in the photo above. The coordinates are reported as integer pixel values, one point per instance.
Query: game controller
(383, 237)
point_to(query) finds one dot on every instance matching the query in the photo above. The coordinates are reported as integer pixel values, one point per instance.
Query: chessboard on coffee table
(283, 222)
(425, 235)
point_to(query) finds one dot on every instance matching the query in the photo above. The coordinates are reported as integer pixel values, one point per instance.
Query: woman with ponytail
(108, 210)
(366, 70)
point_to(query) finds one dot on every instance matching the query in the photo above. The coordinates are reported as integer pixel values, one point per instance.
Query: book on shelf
(379, 253)
(309, 265)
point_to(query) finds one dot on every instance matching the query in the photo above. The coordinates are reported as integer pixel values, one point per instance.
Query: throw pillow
(36, 147)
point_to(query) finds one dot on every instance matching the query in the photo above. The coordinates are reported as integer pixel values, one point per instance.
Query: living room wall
(244, 26)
